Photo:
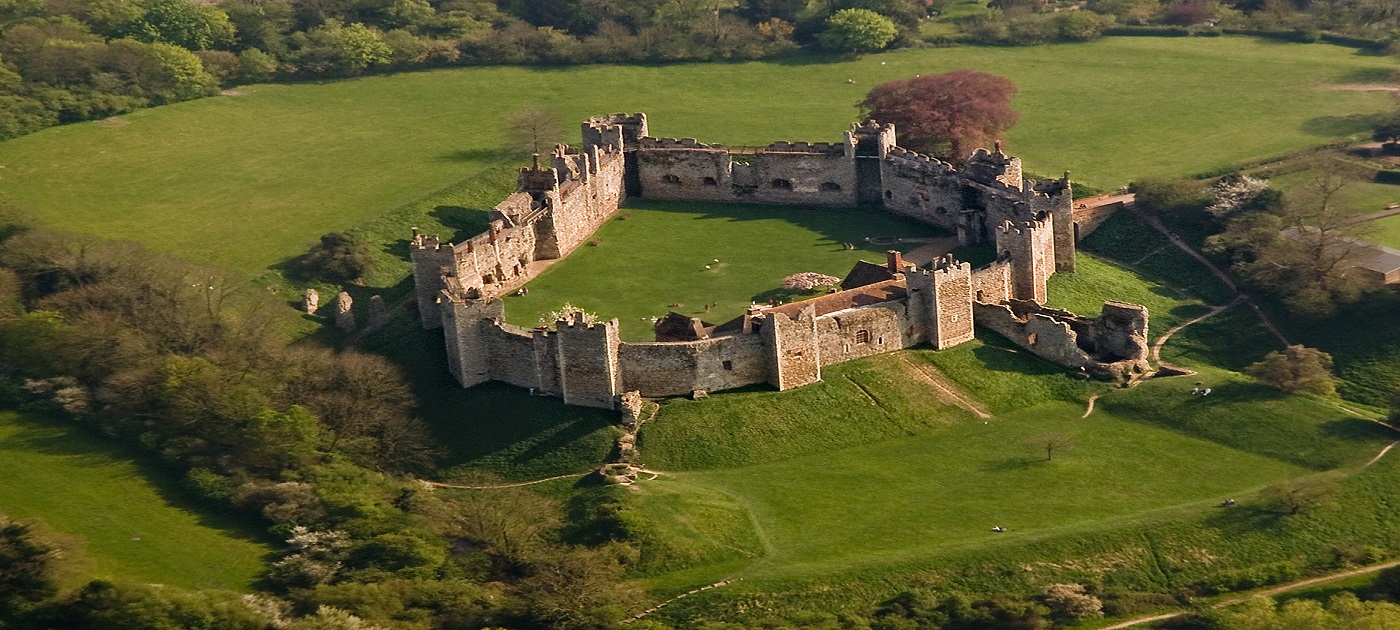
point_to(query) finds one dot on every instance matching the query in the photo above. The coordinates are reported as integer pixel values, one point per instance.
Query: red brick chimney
(895, 261)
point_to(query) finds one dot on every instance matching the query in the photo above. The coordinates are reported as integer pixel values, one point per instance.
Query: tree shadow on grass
(1013, 464)
(81, 446)
(1367, 75)
(1358, 430)
(490, 155)
(1333, 126)
(1245, 519)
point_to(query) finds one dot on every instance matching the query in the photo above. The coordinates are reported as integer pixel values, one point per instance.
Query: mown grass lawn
(658, 257)
(249, 181)
(120, 512)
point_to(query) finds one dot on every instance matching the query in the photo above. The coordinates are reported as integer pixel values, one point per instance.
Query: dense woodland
(71, 60)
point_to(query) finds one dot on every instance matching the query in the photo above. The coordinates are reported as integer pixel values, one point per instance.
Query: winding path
(1291, 586)
(437, 484)
(1090, 409)
(1284, 588)
(1161, 341)
(1157, 224)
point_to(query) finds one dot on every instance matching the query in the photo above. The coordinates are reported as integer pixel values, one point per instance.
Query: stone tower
(588, 372)
(793, 342)
(1055, 198)
(431, 259)
(940, 301)
(1030, 247)
(468, 349)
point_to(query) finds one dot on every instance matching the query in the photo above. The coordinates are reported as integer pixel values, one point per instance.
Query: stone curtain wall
(863, 331)
(1113, 345)
(560, 205)
(679, 368)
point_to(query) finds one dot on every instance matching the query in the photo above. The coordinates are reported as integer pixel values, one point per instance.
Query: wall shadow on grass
(493, 427)
(465, 222)
(836, 225)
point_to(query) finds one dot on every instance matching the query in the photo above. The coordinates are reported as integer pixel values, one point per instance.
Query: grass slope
(248, 181)
(127, 520)
(893, 502)
(900, 499)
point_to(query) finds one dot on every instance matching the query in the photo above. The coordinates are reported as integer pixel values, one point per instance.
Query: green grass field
(660, 255)
(117, 513)
(249, 181)
(853, 497)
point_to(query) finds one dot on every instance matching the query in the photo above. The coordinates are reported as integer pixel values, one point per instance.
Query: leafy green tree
(1388, 128)
(338, 258)
(26, 567)
(255, 66)
(1296, 369)
(1082, 25)
(1307, 253)
(103, 604)
(183, 23)
(339, 49)
(857, 30)
(261, 24)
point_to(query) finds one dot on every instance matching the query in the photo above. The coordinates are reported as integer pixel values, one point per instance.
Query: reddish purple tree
(945, 115)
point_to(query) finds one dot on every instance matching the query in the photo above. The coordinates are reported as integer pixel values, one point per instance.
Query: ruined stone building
(559, 204)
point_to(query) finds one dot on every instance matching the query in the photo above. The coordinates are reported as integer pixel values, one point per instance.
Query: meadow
(834, 495)
(851, 498)
(248, 181)
(118, 514)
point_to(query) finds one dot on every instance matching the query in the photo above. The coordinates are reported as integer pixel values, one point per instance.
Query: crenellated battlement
(563, 198)
(825, 148)
(672, 143)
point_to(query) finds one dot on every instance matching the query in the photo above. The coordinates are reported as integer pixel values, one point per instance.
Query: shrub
(1296, 369)
(1071, 602)
(209, 484)
(338, 258)
(1251, 577)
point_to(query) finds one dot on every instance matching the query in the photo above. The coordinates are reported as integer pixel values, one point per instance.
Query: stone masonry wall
(588, 367)
(583, 206)
(495, 262)
(951, 283)
(679, 368)
(1112, 346)
(795, 349)
(560, 205)
(686, 170)
(861, 332)
(992, 283)
(430, 258)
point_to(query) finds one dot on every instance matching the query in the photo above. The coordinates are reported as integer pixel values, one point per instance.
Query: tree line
(71, 60)
(323, 447)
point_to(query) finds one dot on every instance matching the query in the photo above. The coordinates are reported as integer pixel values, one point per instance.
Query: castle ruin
(558, 205)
